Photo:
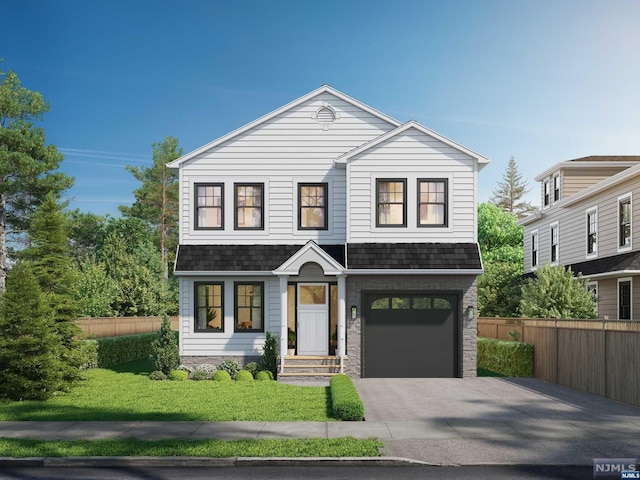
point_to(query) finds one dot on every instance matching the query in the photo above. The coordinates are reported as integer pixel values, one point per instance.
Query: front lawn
(125, 393)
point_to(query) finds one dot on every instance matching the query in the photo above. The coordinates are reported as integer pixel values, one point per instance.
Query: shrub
(222, 376)
(117, 350)
(345, 399)
(252, 367)
(244, 376)
(157, 375)
(165, 354)
(230, 366)
(178, 375)
(207, 368)
(89, 350)
(264, 375)
(269, 358)
(511, 359)
(185, 368)
(199, 375)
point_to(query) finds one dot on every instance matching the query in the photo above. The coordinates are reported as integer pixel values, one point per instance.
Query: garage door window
(414, 302)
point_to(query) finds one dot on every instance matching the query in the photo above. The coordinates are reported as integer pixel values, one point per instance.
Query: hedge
(117, 350)
(345, 400)
(511, 359)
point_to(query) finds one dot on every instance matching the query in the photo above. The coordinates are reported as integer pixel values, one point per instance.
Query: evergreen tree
(30, 364)
(509, 192)
(166, 355)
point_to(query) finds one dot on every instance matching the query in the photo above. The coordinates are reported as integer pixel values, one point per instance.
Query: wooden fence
(598, 356)
(119, 326)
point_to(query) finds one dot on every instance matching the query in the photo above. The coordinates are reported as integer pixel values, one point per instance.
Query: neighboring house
(350, 236)
(588, 222)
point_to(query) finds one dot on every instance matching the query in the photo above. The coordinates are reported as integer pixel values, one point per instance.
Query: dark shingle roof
(608, 158)
(413, 256)
(615, 263)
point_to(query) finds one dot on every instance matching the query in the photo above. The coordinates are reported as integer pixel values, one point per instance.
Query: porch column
(284, 307)
(342, 314)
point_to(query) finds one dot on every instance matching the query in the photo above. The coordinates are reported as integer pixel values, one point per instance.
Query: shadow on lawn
(140, 367)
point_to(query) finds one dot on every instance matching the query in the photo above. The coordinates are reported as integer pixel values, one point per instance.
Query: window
(432, 202)
(592, 232)
(545, 193)
(554, 243)
(391, 199)
(593, 288)
(556, 187)
(312, 204)
(249, 300)
(209, 316)
(249, 201)
(209, 205)
(624, 299)
(534, 249)
(624, 224)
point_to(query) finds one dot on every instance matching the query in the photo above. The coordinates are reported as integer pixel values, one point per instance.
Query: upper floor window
(391, 201)
(249, 299)
(546, 200)
(312, 204)
(592, 232)
(209, 315)
(556, 187)
(534, 249)
(554, 243)
(249, 200)
(624, 223)
(432, 202)
(209, 205)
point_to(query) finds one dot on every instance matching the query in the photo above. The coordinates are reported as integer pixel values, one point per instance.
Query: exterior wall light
(470, 312)
(354, 312)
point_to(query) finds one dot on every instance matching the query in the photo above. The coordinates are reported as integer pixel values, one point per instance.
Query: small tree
(269, 358)
(555, 293)
(166, 355)
(31, 368)
(509, 192)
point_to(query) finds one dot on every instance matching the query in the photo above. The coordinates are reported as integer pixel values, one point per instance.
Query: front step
(310, 366)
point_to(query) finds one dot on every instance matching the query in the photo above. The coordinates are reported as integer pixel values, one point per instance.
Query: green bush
(264, 376)
(230, 366)
(511, 359)
(157, 375)
(345, 399)
(252, 367)
(89, 350)
(244, 376)
(222, 376)
(165, 353)
(178, 375)
(199, 375)
(269, 358)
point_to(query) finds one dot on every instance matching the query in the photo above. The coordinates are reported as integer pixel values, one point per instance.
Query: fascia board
(573, 164)
(222, 273)
(415, 271)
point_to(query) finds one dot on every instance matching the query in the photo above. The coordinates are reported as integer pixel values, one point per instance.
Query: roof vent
(325, 116)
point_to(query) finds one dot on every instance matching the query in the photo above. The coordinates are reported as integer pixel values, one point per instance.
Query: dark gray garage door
(410, 335)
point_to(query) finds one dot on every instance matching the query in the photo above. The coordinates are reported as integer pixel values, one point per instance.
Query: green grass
(324, 447)
(483, 372)
(124, 393)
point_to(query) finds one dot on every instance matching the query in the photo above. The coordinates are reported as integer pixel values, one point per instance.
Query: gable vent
(326, 116)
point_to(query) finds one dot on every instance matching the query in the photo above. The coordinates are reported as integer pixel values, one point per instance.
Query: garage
(410, 335)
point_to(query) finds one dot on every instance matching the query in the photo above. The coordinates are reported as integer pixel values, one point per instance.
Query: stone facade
(195, 361)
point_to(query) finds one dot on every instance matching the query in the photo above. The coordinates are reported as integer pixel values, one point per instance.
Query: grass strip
(319, 447)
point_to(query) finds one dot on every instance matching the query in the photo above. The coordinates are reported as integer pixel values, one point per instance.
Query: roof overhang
(413, 271)
(616, 274)
(571, 164)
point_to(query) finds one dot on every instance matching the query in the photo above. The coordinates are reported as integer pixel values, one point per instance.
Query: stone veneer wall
(195, 361)
(466, 284)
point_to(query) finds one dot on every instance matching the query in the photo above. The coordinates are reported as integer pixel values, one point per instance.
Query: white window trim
(596, 287)
(586, 246)
(547, 182)
(557, 260)
(537, 236)
(552, 186)
(620, 280)
(621, 198)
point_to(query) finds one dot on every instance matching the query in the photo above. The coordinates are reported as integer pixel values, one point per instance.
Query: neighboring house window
(249, 300)
(432, 202)
(593, 288)
(534, 249)
(556, 187)
(592, 232)
(312, 204)
(209, 205)
(545, 193)
(209, 313)
(554, 243)
(249, 206)
(624, 299)
(624, 225)
(391, 200)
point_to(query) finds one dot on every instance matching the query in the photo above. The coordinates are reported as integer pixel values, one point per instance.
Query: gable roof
(311, 252)
(593, 161)
(344, 158)
(318, 91)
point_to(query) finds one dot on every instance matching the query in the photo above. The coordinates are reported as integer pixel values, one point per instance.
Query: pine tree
(29, 346)
(166, 355)
(510, 191)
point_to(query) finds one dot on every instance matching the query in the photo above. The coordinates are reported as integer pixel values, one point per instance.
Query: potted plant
(291, 343)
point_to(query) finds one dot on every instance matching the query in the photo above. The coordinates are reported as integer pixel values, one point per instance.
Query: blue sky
(544, 81)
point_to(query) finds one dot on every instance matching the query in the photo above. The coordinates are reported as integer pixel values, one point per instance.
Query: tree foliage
(165, 354)
(509, 192)
(556, 293)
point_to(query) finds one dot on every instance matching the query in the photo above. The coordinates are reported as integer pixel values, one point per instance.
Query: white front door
(313, 319)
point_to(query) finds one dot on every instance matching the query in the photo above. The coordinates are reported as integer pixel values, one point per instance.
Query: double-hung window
(312, 205)
(546, 200)
(432, 202)
(249, 301)
(556, 187)
(624, 299)
(391, 203)
(554, 243)
(249, 201)
(209, 312)
(624, 222)
(534, 249)
(592, 232)
(209, 205)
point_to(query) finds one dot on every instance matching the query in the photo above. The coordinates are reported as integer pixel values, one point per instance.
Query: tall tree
(157, 198)
(509, 192)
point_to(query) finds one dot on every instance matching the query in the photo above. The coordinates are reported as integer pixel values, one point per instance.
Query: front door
(313, 319)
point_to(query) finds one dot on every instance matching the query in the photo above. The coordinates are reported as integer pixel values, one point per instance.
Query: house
(347, 234)
(588, 222)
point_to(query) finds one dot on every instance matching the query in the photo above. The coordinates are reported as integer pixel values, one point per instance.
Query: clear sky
(544, 80)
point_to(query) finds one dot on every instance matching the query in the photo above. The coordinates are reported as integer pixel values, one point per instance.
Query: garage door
(410, 335)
